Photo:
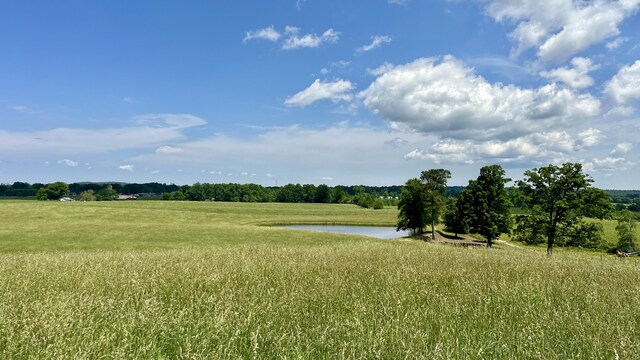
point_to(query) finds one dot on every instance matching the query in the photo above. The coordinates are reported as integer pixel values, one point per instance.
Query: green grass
(208, 280)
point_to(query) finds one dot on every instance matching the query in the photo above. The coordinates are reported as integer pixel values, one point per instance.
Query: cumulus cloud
(376, 42)
(607, 165)
(569, 28)
(624, 87)
(127, 167)
(447, 98)
(336, 91)
(530, 148)
(576, 77)
(590, 137)
(380, 69)
(68, 162)
(268, 33)
(295, 41)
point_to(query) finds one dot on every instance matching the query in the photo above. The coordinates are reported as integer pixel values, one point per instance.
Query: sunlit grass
(184, 280)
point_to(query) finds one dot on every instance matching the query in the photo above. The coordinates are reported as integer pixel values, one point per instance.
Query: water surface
(380, 232)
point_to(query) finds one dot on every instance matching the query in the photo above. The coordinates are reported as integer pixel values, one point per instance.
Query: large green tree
(53, 191)
(557, 197)
(487, 205)
(434, 183)
(412, 212)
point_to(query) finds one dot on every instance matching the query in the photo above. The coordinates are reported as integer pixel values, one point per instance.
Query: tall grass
(211, 284)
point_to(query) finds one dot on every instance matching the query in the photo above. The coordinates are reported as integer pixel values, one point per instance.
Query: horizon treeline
(235, 192)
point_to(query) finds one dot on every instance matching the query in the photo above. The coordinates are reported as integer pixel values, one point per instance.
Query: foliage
(106, 194)
(485, 204)
(54, 191)
(196, 193)
(556, 197)
(435, 184)
(457, 217)
(412, 211)
(626, 229)
(87, 195)
(596, 203)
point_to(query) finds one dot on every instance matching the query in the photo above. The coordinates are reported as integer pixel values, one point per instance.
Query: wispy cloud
(295, 41)
(268, 33)
(127, 167)
(338, 90)
(376, 42)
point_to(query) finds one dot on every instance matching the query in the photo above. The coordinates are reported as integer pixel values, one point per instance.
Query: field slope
(208, 280)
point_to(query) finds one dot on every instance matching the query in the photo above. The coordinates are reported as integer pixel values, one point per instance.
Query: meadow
(212, 280)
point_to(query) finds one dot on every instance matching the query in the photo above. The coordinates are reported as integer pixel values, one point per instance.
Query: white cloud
(561, 28)
(127, 167)
(336, 91)
(622, 148)
(309, 40)
(608, 164)
(624, 87)
(326, 178)
(380, 69)
(576, 77)
(398, 2)
(449, 99)
(149, 131)
(376, 42)
(268, 33)
(538, 147)
(155, 172)
(168, 150)
(68, 162)
(617, 42)
(590, 137)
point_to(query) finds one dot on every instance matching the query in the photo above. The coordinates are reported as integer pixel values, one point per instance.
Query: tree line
(555, 202)
(365, 196)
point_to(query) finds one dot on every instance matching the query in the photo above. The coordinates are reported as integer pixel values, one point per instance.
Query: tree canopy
(434, 183)
(484, 207)
(412, 211)
(557, 198)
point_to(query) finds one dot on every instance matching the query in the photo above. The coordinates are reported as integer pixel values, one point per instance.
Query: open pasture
(208, 280)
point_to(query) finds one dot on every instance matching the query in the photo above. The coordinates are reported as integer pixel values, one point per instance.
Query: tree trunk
(551, 234)
(433, 230)
(489, 243)
(550, 237)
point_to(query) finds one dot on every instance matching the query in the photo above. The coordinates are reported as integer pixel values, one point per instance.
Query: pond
(380, 232)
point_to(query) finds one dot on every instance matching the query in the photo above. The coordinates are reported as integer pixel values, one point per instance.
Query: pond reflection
(379, 232)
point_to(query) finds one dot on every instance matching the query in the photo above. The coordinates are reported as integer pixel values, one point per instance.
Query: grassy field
(209, 280)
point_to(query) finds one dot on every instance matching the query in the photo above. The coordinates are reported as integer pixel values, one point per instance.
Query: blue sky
(336, 92)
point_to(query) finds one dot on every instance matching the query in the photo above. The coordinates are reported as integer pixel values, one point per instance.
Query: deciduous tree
(412, 212)
(434, 183)
(557, 197)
